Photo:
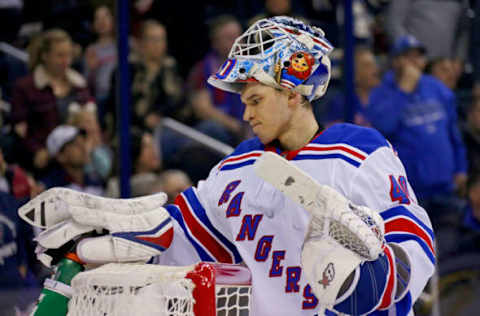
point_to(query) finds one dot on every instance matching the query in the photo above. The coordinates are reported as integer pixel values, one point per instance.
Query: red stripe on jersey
(339, 147)
(238, 158)
(388, 292)
(405, 225)
(201, 234)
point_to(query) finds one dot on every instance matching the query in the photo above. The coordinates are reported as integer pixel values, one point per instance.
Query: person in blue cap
(417, 114)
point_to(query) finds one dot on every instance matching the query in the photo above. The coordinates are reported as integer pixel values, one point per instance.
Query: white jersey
(234, 216)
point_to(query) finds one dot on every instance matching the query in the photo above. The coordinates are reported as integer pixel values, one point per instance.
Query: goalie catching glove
(132, 229)
(341, 236)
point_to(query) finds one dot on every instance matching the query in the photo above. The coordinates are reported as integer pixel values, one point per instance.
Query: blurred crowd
(417, 80)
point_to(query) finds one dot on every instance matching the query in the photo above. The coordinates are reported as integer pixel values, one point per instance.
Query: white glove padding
(133, 237)
(57, 236)
(53, 206)
(138, 228)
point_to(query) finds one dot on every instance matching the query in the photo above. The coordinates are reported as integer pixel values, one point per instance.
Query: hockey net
(204, 289)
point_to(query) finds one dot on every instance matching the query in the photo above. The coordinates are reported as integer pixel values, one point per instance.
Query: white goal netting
(143, 289)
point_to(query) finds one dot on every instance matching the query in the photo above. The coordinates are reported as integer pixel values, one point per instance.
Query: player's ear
(294, 98)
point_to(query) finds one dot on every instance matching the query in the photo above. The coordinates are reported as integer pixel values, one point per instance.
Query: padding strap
(58, 287)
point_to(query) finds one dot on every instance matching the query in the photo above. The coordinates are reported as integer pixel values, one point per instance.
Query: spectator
(145, 160)
(145, 153)
(157, 88)
(418, 115)
(101, 56)
(18, 287)
(144, 184)
(468, 240)
(101, 156)
(367, 77)
(442, 26)
(471, 135)
(443, 69)
(173, 182)
(41, 99)
(15, 181)
(221, 112)
(66, 144)
(472, 213)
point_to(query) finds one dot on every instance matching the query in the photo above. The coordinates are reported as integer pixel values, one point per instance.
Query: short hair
(303, 99)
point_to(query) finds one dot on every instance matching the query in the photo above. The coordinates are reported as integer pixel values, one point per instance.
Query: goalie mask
(280, 52)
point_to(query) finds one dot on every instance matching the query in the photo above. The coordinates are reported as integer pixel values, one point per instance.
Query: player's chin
(264, 139)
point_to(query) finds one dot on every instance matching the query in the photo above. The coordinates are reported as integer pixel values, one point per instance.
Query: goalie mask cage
(203, 289)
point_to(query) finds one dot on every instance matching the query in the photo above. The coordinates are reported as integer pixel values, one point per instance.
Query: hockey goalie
(324, 219)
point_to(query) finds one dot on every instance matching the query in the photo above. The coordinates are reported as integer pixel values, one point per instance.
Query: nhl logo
(327, 275)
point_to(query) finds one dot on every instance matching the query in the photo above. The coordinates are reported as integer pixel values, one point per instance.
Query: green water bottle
(56, 293)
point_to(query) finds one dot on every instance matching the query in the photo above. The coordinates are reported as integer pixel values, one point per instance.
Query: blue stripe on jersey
(238, 165)
(399, 237)
(177, 215)
(328, 156)
(364, 138)
(199, 211)
(402, 210)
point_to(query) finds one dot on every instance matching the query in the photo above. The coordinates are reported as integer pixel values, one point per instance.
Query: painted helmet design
(281, 52)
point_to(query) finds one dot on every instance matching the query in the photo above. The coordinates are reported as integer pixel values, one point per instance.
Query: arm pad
(380, 284)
